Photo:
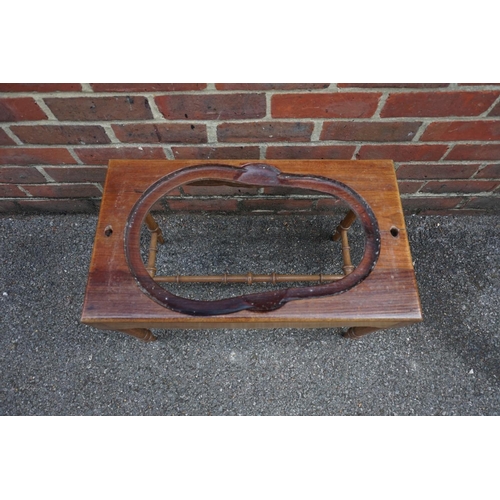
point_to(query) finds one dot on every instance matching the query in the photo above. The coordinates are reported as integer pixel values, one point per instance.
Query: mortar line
(268, 115)
(332, 88)
(356, 152)
(481, 167)
(315, 135)
(27, 193)
(154, 108)
(262, 152)
(211, 133)
(110, 133)
(168, 153)
(381, 104)
(48, 178)
(86, 87)
(210, 87)
(74, 155)
(448, 151)
(11, 134)
(485, 114)
(421, 130)
(45, 108)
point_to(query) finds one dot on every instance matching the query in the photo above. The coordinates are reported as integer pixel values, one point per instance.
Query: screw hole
(108, 231)
(395, 231)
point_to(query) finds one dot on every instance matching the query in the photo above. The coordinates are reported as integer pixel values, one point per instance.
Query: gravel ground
(50, 364)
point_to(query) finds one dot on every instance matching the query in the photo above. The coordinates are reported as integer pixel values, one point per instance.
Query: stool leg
(141, 333)
(356, 332)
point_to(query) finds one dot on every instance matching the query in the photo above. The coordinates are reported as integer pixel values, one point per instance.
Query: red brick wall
(56, 139)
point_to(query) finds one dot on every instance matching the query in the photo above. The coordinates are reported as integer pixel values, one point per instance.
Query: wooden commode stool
(125, 293)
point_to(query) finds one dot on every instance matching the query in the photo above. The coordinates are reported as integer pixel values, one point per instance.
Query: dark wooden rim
(252, 174)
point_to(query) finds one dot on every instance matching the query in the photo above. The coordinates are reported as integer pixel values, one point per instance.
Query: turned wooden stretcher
(125, 293)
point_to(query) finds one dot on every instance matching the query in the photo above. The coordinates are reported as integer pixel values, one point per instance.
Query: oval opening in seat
(214, 264)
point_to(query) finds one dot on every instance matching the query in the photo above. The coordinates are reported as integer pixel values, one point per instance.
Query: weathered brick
(9, 207)
(271, 86)
(101, 156)
(265, 131)
(35, 156)
(61, 134)
(40, 87)
(476, 130)
(459, 186)
(214, 204)
(77, 174)
(216, 189)
(402, 152)
(16, 109)
(277, 204)
(438, 103)
(495, 111)
(20, 175)
(210, 153)
(32, 205)
(63, 190)
(11, 191)
(436, 171)
(5, 140)
(334, 105)
(489, 172)
(212, 106)
(100, 108)
(484, 203)
(393, 85)
(369, 131)
(474, 152)
(161, 132)
(310, 152)
(435, 203)
(146, 87)
(407, 187)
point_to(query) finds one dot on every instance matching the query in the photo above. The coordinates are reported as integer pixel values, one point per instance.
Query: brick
(459, 186)
(289, 191)
(400, 152)
(61, 134)
(310, 152)
(265, 131)
(18, 109)
(271, 86)
(77, 174)
(276, 205)
(100, 108)
(212, 106)
(5, 140)
(56, 206)
(393, 85)
(495, 111)
(369, 131)
(63, 190)
(146, 87)
(210, 153)
(11, 191)
(484, 203)
(489, 172)
(462, 131)
(35, 156)
(330, 204)
(8, 207)
(40, 87)
(473, 152)
(20, 175)
(217, 189)
(334, 105)
(214, 204)
(436, 171)
(162, 132)
(408, 187)
(438, 103)
(435, 203)
(101, 156)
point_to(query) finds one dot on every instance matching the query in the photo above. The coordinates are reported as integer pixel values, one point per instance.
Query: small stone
(5, 294)
(471, 371)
